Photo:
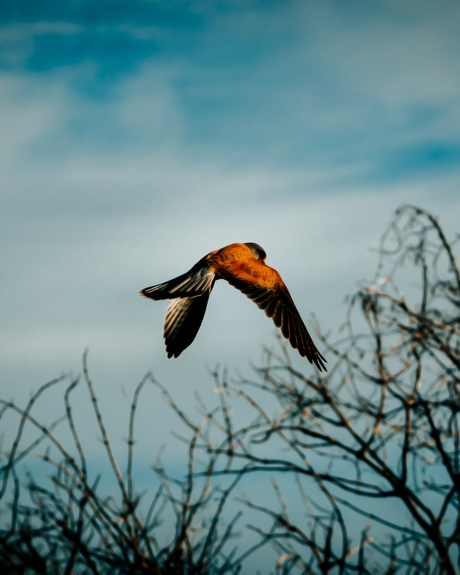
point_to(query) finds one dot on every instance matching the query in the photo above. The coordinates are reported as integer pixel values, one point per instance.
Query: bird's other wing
(265, 287)
(182, 322)
(195, 282)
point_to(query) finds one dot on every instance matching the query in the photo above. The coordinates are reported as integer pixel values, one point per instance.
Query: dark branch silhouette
(65, 525)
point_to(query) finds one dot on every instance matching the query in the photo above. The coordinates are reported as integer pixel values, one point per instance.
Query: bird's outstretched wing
(265, 287)
(182, 322)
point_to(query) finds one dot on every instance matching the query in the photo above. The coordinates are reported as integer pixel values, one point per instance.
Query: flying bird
(243, 266)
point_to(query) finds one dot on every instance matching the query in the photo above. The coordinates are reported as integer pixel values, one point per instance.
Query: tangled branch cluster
(64, 525)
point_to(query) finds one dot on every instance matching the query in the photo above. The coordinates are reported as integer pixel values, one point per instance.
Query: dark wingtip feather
(319, 361)
(173, 353)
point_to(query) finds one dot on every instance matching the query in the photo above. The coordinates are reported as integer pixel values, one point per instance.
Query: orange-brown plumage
(242, 266)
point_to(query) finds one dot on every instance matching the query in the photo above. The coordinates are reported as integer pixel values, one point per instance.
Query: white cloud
(30, 108)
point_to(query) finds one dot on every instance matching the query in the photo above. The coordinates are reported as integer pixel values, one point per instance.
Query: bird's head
(258, 251)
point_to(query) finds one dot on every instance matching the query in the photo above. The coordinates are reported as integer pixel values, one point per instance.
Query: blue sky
(138, 136)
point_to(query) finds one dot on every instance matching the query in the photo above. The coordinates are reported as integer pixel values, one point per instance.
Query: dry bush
(63, 524)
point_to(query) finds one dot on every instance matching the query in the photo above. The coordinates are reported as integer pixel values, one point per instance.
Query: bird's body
(243, 266)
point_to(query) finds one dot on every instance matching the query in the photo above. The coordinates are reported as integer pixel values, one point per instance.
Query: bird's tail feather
(195, 282)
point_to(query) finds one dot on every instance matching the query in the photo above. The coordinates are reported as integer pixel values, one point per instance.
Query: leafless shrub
(64, 525)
